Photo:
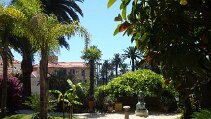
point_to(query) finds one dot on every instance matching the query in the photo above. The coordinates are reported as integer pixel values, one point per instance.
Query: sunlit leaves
(29, 8)
(13, 20)
(183, 2)
(117, 30)
(46, 30)
(110, 3)
(124, 13)
(92, 53)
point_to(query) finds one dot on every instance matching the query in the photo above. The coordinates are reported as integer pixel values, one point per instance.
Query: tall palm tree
(65, 10)
(22, 44)
(105, 70)
(24, 47)
(10, 22)
(45, 31)
(117, 61)
(133, 53)
(92, 54)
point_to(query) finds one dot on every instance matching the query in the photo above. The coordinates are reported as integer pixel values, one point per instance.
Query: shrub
(127, 86)
(14, 93)
(131, 83)
(202, 114)
(34, 103)
(100, 95)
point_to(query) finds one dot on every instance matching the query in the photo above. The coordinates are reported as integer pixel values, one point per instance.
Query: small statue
(140, 106)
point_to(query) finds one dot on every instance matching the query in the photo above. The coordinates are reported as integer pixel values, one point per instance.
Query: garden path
(152, 115)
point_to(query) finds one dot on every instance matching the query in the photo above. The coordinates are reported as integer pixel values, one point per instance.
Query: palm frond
(70, 11)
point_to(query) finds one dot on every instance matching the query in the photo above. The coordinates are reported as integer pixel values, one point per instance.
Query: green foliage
(110, 3)
(34, 103)
(174, 34)
(29, 8)
(69, 97)
(133, 54)
(92, 53)
(130, 83)
(100, 94)
(29, 116)
(19, 116)
(202, 114)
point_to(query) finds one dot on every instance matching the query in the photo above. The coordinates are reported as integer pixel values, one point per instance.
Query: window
(83, 72)
(73, 71)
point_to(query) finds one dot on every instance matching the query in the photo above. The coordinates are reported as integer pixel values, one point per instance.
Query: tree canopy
(174, 34)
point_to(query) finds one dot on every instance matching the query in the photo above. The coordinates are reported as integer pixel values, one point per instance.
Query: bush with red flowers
(14, 93)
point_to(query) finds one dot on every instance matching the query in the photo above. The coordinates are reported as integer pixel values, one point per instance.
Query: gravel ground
(131, 116)
(152, 115)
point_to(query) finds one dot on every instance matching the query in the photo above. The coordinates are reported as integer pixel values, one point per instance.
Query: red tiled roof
(67, 65)
(14, 61)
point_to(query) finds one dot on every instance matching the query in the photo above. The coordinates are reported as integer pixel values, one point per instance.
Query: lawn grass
(19, 116)
(29, 116)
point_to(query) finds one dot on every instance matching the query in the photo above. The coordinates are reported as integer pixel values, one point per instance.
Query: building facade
(78, 71)
(13, 68)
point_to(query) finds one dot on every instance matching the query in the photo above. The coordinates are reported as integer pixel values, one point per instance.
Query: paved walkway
(121, 116)
(152, 115)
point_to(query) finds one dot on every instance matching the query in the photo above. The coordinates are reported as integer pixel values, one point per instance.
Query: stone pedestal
(126, 109)
(142, 113)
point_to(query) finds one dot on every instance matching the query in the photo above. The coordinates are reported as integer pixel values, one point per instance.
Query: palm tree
(117, 61)
(133, 53)
(65, 10)
(124, 68)
(92, 54)
(10, 22)
(45, 31)
(105, 70)
(24, 47)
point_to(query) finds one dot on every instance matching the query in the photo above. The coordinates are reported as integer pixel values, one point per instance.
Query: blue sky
(99, 21)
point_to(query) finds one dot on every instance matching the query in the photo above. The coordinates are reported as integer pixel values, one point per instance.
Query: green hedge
(132, 82)
(129, 84)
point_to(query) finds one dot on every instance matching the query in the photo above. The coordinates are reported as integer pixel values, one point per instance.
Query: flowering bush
(14, 93)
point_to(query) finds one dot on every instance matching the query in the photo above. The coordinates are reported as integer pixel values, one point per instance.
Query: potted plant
(91, 103)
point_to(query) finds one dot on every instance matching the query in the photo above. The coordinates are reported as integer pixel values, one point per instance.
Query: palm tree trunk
(43, 84)
(116, 70)
(205, 95)
(63, 108)
(27, 68)
(91, 88)
(188, 108)
(71, 112)
(4, 82)
(106, 76)
(133, 64)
